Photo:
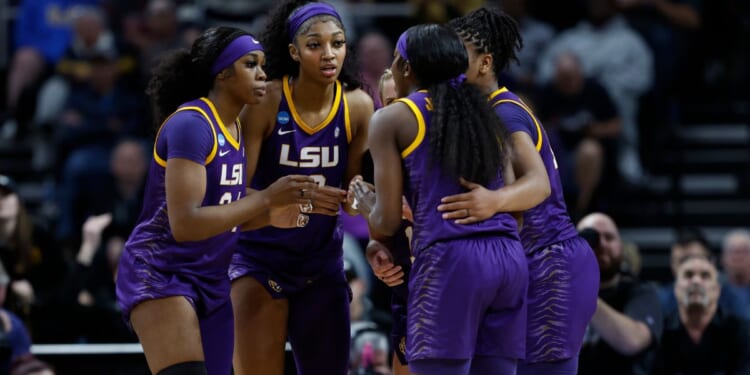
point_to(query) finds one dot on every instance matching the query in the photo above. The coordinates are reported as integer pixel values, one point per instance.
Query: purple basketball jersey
(319, 151)
(548, 222)
(151, 254)
(427, 183)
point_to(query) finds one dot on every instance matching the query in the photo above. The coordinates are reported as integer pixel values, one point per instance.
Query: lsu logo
(282, 117)
(274, 286)
(311, 157)
(236, 177)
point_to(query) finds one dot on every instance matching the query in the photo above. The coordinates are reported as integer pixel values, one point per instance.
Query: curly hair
(466, 136)
(491, 31)
(185, 75)
(275, 39)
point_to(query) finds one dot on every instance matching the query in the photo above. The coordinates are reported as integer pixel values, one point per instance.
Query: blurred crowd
(606, 77)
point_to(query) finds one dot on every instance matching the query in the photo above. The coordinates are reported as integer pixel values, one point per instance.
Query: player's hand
(326, 201)
(291, 189)
(364, 197)
(470, 207)
(381, 262)
(288, 216)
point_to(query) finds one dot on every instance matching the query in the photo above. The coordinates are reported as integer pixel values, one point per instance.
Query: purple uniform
(467, 288)
(305, 264)
(153, 264)
(564, 276)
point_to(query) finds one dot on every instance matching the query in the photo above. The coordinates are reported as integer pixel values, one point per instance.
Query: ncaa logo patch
(282, 117)
(222, 141)
(274, 285)
(336, 132)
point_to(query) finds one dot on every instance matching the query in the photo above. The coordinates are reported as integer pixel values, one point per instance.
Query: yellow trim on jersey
(347, 122)
(525, 108)
(421, 128)
(498, 92)
(298, 119)
(232, 141)
(159, 160)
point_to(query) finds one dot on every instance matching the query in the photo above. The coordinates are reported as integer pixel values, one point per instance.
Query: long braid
(493, 32)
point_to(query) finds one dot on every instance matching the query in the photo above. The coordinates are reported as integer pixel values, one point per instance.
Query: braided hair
(493, 32)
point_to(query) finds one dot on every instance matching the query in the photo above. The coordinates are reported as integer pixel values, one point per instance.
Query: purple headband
(401, 45)
(307, 11)
(236, 49)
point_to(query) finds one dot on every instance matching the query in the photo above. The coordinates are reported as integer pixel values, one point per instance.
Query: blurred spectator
(580, 116)
(357, 275)
(91, 39)
(28, 364)
(33, 267)
(156, 32)
(536, 36)
(690, 243)
(370, 353)
(627, 324)
(440, 11)
(42, 32)
(735, 257)
(375, 53)
(14, 339)
(666, 25)
(610, 51)
(700, 337)
(96, 116)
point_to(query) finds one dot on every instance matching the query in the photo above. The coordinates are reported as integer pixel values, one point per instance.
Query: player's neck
(312, 96)
(227, 107)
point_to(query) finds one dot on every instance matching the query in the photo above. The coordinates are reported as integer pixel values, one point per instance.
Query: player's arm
(189, 141)
(360, 112)
(257, 124)
(382, 207)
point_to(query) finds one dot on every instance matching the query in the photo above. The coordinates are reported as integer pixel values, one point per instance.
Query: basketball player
(467, 288)
(564, 276)
(172, 284)
(290, 283)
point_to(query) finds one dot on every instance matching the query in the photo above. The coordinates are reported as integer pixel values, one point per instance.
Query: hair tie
(307, 11)
(236, 49)
(458, 80)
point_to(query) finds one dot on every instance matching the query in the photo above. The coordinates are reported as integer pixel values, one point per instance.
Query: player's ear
(294, 52)
(486, 64)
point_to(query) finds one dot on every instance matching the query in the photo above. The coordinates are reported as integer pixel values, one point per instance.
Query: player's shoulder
(359, 100)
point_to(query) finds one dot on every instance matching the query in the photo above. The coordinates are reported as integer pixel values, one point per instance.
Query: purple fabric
(236, 49)
(186, 135)
(217, 337)
(455, 82)
(307, 11)
(401, 45)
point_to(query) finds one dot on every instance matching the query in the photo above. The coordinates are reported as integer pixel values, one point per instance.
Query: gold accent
(298, 119)
(275, 286)
(347, 122)
(525, 108)
(162, 162)
(421, 128)
(234, 142)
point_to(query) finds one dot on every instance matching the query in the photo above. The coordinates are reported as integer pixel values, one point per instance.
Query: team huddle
(260, 147)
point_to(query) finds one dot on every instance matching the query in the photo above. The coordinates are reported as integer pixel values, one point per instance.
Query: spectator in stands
(610, 51)
(42, 32)
(28, 364)
(91, 38)
(627, 323)
(370, 353)
(536, 36)
(691, 242)
(156, 33)
(700, 337)
(96, 116)
(14, 339)
(583, 123)
(735, 258)
(33, 268)
(374, 53)
(118, 191)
